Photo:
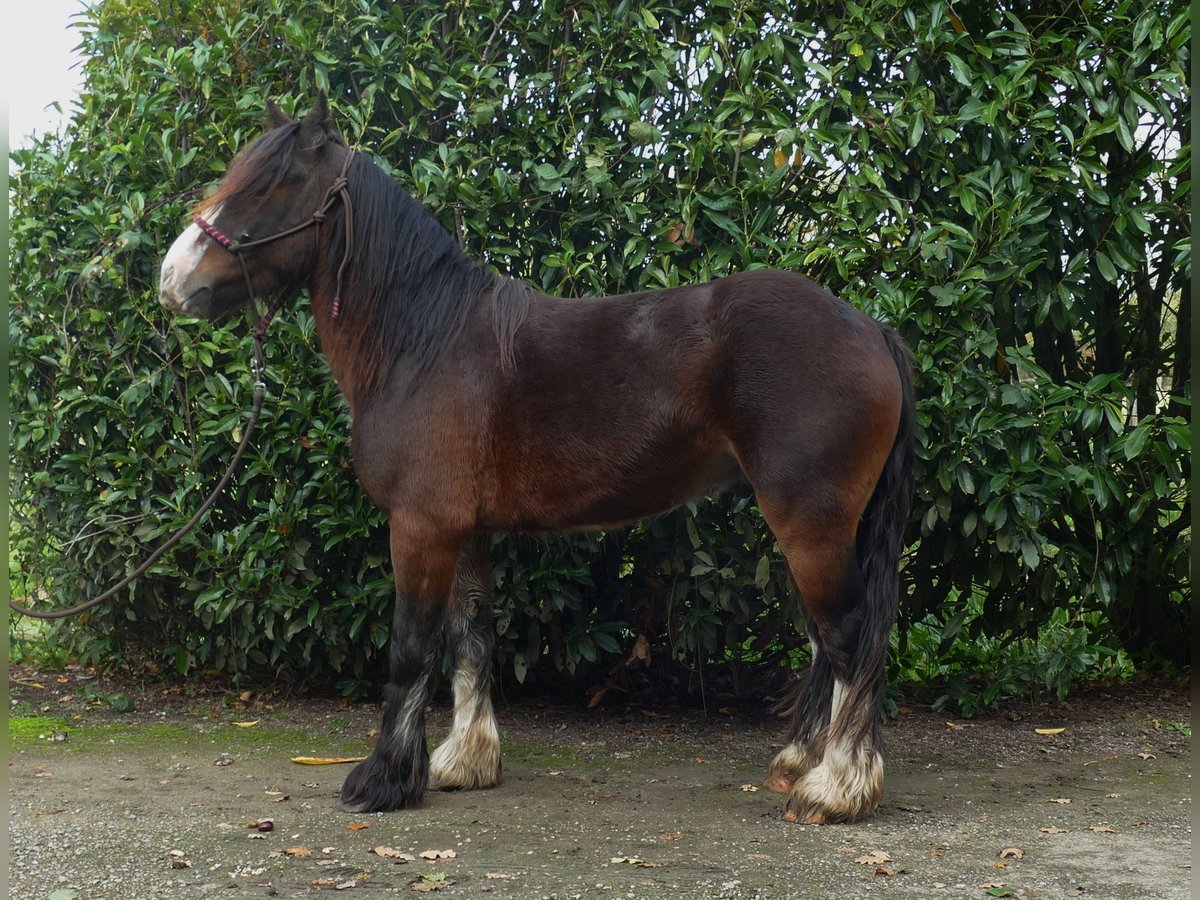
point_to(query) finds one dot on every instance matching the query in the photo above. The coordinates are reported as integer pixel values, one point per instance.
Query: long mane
(409, 288)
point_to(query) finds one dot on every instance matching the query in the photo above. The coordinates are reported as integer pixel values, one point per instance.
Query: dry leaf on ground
(1102, 829)
(424, 883)
(1049, 730)
(874, 858)
(1012, 853)
(432, 855)
(1063, 800)
(1053, 829)
(393, 853)
(326, 760)
(358, 826)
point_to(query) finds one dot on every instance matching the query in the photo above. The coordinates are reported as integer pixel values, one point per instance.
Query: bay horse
(480, 404)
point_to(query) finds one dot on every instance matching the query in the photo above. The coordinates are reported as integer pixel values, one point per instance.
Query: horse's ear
(278, 116)
(315, 125)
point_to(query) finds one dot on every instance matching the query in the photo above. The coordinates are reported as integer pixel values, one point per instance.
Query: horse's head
(252, 233)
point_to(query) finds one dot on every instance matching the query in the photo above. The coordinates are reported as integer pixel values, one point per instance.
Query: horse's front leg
(394, 776)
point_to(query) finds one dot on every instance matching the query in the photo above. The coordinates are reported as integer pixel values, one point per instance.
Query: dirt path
(616, 802)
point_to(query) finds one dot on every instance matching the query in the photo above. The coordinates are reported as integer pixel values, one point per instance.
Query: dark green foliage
(1008, 187)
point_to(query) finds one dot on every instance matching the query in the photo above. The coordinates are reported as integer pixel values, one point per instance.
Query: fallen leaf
(622, 860)
(393, 853)
(247, 724)
(1112, 796)
(884, 870)
(323, 882)
(701, 761)
(300, 852)
(496, 876)
(1003, 864)
(671, 836)
(1053, 829)
(874, 858)
(1063, 800)
(178, 860)
(1012, 853)
(223, 760)
(345, 885)
(64, 894)
(1102, 829)
(437, 854)
(424, 883)
(1147, 756)
(358, 826)
(1138, 823)
(326, 760)
(954, 726)
(1049, 730)
(749, 788)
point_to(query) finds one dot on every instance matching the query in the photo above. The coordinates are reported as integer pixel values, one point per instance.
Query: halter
(336, 191)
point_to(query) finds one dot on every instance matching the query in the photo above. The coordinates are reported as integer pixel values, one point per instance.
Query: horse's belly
(604, 494)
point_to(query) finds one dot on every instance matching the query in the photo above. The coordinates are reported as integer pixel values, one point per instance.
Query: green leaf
(1104, 264)
(762, 572)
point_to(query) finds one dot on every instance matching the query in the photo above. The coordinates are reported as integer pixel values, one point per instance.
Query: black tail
(879, 543)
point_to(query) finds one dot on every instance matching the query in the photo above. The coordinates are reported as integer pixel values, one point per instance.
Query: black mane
(409, 287)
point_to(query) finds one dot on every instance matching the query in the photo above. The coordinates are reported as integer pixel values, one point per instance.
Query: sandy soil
(627, 800)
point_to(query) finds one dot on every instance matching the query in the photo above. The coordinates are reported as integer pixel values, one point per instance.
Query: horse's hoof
(779, 783)
(371, 787)
(810, 817)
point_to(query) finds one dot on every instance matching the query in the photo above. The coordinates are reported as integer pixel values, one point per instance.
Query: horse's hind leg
(832, 766)
(394, 776)
(469, 758)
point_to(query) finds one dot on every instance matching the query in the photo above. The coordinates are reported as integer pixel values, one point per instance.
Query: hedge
(1007, 186)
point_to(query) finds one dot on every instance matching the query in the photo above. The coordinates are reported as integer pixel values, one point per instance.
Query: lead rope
(260, 392)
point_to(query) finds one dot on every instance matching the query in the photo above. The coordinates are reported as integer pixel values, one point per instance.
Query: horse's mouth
(197, 303)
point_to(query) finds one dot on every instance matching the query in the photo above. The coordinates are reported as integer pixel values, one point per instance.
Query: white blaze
(181, 261)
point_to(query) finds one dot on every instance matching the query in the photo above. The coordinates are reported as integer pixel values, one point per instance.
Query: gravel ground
(621, 801)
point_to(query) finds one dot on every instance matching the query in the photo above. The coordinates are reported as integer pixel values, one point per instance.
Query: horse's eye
(244, 236)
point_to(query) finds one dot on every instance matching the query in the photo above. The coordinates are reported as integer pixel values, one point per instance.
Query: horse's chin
(202, 303)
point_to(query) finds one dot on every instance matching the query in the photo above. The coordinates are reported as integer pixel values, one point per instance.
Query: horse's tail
(880, 538)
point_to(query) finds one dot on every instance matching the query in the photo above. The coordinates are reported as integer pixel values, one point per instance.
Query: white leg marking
(848, 782)
(469, 758)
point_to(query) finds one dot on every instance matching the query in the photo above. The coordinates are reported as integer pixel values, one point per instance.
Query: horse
(482, 405)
